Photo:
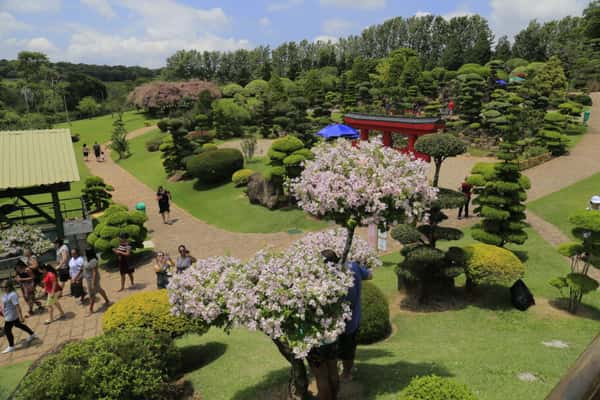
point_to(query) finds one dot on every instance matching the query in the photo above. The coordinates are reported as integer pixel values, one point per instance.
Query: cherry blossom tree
(358, 186)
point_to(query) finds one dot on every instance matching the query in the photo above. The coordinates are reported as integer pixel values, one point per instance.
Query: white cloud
(264, 22)
(8, 23)
(325, 39)
(31, 6)
(11, 46)
(360, 4)
(420, 13)
(283, 5)
(336, 26)
(90, 46)
(457, 13)
(41, 44)
(167, 19)
(102, 7)
(508, 17)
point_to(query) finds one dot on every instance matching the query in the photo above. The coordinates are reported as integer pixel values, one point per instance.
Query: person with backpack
(13, 317)
(97, 150)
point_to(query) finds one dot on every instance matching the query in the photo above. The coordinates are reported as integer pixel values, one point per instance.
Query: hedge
(489, 264)
(125, 364)
(433, 387)
(154, 143)
(149, 310)
(375, 323)
(215, 166)
(242, 176)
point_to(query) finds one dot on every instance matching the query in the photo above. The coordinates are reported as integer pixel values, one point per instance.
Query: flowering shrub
(335, 239)
(291, 296)
(19, 237)
(372, 183)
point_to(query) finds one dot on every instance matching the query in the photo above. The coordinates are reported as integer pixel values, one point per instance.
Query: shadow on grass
(200, 355)
(583, 311)
(371, 382)
(202, 186)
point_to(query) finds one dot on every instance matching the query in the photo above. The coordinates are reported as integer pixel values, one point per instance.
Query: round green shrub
(433, 387)
(306, 153)
(209, 146)
(274, 172)
(375, 323)
(150, 310)
(215, 166)
(294, 159)
(154, 144)
(124, 364)
(242, 176)
(287, 144)
(163, 125)
(489, 264)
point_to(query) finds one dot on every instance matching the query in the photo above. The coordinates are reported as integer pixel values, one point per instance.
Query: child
(51, 287)
(86, 152)
(101, 156)
(13, 317)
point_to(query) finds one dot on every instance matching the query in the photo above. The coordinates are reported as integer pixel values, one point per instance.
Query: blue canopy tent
(337, 131)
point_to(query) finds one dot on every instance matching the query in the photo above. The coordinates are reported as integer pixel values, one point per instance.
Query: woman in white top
(76, 263)
(91, 273)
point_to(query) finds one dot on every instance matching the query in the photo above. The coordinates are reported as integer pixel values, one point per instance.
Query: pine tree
(501, 193)
(175, 148)
(119, 138)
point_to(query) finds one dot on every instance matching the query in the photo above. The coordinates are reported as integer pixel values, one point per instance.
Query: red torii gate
(412, 128)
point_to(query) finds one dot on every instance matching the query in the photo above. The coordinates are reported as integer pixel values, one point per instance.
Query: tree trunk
(348, 245)
(436, 175)
(298, 383)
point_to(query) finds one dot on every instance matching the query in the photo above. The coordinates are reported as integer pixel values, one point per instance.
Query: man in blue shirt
(347, 340)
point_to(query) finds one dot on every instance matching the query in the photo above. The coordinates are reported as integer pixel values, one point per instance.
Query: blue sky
(145, 32)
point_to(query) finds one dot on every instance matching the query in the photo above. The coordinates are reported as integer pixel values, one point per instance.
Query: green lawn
(224, 206)
(484, 344)
(10, 376)
(558, 206)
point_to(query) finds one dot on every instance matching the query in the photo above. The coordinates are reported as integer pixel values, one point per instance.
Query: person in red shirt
(451, 107)
(465, 188)
(51, 287)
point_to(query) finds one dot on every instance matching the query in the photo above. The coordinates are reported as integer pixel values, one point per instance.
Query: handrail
(582, 381)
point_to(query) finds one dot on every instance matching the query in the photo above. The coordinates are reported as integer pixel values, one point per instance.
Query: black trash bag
(521, 296)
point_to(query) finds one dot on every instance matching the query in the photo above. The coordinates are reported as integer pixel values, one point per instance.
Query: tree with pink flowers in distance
(292, 296)
(358, 186)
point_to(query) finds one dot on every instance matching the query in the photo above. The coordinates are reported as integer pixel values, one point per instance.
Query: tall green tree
(119, 142)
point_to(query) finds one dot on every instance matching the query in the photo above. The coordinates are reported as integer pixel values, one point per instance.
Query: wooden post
(60, 230)
(387, 139)
(411, 143)
(364, 134)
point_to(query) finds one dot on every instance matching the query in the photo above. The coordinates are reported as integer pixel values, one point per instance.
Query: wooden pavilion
(36, 162)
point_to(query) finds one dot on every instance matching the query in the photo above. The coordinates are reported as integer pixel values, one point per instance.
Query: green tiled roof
(36, 157)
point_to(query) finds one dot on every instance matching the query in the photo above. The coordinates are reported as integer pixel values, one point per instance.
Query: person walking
(52, 288)
(162, 266)
(76, 264)
(97, 150)
(123, 252)
(86, 152)
(164, 198)
(451, 107)
(184, 259)
(13, 317)
(91, 273)
(465, 188)
(62, 261)
(32, 262)
(25, 277)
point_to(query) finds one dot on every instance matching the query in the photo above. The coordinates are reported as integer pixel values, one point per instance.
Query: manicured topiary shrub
(242, 176)
(215, 166)
(487, 264)
(289, 152)
(96, 194)
(209, 147)
(153, 144)
(116, 220)
(436, 388)
(149, 310)
(375, 323)
(163, 125)
(124, 364)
